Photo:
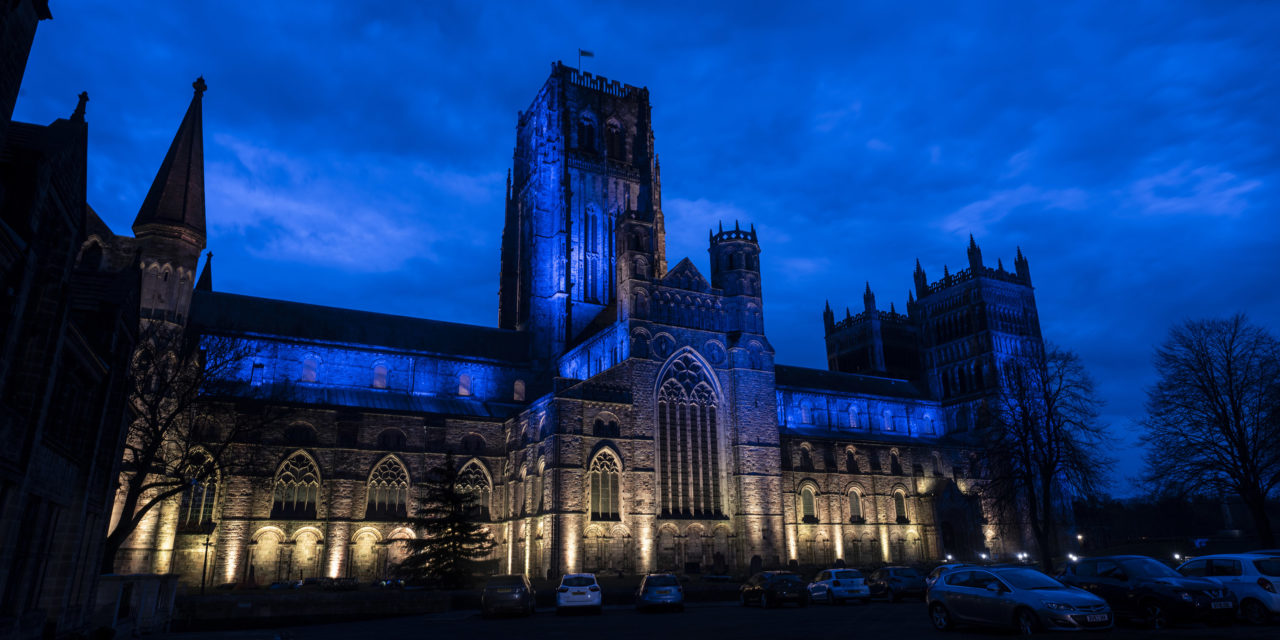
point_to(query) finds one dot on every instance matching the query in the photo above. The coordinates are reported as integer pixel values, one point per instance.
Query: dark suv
(773, 588)
(1146, 589)
(509, 594)
(895, 583)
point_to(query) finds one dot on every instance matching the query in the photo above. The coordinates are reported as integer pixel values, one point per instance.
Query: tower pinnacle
(176, 198)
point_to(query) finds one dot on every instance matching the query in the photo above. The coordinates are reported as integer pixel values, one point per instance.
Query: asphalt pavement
(906, 620)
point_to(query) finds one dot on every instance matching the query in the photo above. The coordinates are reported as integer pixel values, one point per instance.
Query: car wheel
(766, 601)
(1025, 622)
(1154, 614)
(940, 617)
(1254, 612)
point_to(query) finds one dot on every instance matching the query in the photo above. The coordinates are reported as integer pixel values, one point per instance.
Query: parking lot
(701, 621)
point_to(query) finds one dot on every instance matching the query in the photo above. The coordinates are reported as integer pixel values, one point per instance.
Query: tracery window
(297, 489)
(688, 441)
(808, 511)
(605, 494)
(472, 479)
(388, 495)
(196, 508)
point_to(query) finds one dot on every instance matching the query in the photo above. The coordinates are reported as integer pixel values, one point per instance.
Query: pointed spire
(847, 314)
(946, 273)
(508, 185)
(892, 310)
(721, 223)
(919, 269)
(867, 292)
(975, 257)
(78, 114)
(828, 306)
(205, 283)
(972, 244)
(176, 197)
(1000, 263)
(735, 226)
(911, 297)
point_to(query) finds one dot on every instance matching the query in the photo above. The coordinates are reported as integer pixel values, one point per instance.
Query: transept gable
(686, 276)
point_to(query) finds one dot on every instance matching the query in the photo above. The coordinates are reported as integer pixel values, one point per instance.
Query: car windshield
(906, 573)
(847, 574)
(661, 581)
(505, 581)
(1268, 566)
(786, 577)
(578, 581)
(1029, 579)
(1148, 568)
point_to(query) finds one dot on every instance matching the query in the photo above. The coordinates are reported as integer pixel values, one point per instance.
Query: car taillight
(594, 588)
(835, 583)
(1266, 585)
(563, 590)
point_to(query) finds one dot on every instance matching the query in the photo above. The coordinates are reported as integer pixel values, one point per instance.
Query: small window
(1224, 567)
(895, 467)
(855, 507)
(380, 376)
(464, 385)
(310, 369)
(806, 460)
(851, 462)
(1195, 569)
(518, 393)
(256, 374)
(806, 412)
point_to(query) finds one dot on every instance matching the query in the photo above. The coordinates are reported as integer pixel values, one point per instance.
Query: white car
(1253, 578)
(834, 586)
(578, 591)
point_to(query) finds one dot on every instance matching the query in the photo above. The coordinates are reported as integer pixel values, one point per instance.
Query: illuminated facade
(624, 415)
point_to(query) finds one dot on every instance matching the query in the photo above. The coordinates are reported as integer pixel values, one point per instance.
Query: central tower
(583, 159)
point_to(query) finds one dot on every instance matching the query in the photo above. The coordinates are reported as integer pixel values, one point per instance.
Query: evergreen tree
(451, 542)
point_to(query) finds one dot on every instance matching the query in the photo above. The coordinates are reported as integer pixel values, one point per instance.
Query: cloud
(876, 144)
(1201, 191)
(975, 217)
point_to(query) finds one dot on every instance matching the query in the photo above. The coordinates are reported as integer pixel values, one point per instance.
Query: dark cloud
(356, 151)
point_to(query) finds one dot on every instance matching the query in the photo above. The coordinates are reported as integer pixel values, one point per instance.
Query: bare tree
(180, 432)
(1044, 441)
(1213, 417)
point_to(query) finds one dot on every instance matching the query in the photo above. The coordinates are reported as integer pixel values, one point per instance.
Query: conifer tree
(451, 542)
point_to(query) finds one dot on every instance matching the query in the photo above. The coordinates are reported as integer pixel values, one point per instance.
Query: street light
(208, 529)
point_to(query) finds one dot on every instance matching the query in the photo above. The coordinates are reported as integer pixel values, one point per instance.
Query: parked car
(896, 583)
(941, 569)
(508, 593)
(1146, 589)
(835, 586)
(774, 588)
(660, 590)
(1251, 577)
(1025, 598)
(579, 591)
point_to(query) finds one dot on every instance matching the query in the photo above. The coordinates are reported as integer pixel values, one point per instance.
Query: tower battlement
(596, 83)
(734, 234)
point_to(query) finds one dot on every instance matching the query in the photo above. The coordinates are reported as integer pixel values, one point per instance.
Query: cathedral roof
(219, 312)
(823, 380)
(176, 197)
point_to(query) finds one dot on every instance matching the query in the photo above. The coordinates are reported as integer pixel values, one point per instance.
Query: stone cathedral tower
(583, 158)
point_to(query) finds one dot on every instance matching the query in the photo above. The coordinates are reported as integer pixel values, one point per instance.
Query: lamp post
(208, 529)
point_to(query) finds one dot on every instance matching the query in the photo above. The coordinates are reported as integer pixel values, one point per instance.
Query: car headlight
(1059, 606)
(1184, 595)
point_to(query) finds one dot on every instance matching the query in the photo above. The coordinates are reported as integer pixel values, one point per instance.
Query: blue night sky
(356, 152)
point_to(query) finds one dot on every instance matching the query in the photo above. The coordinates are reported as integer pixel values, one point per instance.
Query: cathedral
(625, 415)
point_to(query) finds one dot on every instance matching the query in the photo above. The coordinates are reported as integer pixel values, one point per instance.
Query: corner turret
(975, 256)
(1021, 267)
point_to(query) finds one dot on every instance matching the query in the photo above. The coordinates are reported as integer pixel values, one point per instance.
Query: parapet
(734, 234)
(596, 83)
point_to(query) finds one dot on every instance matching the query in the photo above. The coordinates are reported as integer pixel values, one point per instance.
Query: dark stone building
(67, 328)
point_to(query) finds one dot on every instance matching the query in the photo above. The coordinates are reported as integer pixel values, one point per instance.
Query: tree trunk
(1256, 501)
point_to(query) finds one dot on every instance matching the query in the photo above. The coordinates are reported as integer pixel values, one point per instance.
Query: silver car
(1028, 600)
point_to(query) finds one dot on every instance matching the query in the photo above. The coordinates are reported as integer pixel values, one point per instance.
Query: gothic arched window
(586, 133)
(808, 511)
(200, 494)
(297, 489)
(388, 496)
(605, 494)
(900, 507)
(473, 480)
(688, 440)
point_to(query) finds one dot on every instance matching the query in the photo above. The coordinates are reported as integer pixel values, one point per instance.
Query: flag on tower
(583, 53)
